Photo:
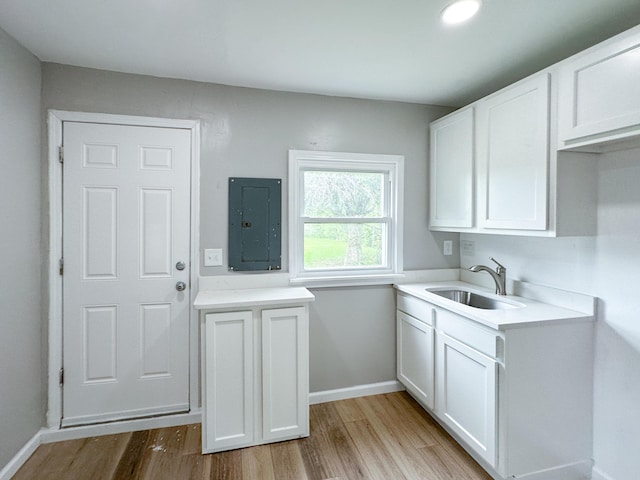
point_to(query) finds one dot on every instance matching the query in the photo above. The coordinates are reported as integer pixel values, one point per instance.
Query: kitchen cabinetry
(415, 337)
(518, 396)
(519, 184)
(513, 156)
(452, 170)
(467, 384)
(255, 369)
(599, 101)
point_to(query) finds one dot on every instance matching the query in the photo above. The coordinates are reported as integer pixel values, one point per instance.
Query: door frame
(55, 119)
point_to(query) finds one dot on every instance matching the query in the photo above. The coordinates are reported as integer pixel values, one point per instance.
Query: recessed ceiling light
(460, 10)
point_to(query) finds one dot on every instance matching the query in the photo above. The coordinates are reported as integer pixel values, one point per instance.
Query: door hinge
(61, 154)
(61, 377)
(61, 264)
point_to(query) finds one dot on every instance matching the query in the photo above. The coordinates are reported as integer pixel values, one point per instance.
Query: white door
(126, 225)
(415, 357)
(285, 372)
(513, 156)
(228, 381)
(452, 170)
(466, 383)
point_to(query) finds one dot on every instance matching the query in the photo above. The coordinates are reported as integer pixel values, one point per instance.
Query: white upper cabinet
(452, 171)
(513, 156)
(599, 101)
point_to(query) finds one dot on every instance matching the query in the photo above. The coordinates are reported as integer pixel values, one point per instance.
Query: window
(345, 217)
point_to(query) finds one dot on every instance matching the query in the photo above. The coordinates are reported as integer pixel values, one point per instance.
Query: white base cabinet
(519, 400)
(255, 377)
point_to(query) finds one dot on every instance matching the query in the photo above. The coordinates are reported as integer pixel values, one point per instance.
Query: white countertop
(531, 312)
(249, 297)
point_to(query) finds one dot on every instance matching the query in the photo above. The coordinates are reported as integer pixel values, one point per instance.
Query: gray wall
(247, 132)
(607, 266)
(21, 394)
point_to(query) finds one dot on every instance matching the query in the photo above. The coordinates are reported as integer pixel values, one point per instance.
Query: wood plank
(287, 461)
(226, 465)
(161, 456)
(418, 420)
(349, 410)
(257, 463)
(193, 440)
(130, 461)
(397, 440)
(449, 465)
(340, 453)
(377, 458)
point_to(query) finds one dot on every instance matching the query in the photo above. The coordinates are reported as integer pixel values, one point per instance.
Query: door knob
(180, 286)
(180, 266)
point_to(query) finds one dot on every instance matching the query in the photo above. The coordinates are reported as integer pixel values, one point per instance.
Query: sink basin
(472, 299)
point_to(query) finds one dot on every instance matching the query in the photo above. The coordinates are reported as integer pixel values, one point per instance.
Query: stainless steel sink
(472, 299)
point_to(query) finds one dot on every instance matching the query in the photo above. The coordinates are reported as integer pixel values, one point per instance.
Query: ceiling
(380, 49)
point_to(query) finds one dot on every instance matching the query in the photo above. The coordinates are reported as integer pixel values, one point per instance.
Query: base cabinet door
(285, 365)
(415, 357)
(466, 394)
(228, 397)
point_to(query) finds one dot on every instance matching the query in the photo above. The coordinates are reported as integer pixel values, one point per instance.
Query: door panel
(126, 223)
(228, 369)
(466, 399)
(285, 392)
(513, 157)
(415, 357)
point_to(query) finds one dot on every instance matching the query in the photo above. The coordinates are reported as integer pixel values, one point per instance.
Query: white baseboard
(599, 475)
(572, 471)
(19, 459)
(354, 392)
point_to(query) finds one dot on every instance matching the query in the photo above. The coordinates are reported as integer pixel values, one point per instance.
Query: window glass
(343, 245)
(343, 194)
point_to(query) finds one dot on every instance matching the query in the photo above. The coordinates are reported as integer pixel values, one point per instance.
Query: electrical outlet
(448, 247)
(212, 257)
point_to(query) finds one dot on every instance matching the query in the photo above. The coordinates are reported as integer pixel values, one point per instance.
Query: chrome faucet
(499, 275)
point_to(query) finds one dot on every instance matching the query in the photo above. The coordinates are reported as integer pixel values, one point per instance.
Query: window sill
(351, 281)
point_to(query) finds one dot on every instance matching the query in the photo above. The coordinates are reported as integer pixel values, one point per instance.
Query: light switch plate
(212, 257)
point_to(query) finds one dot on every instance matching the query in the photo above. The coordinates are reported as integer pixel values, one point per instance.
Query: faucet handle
(500, 267)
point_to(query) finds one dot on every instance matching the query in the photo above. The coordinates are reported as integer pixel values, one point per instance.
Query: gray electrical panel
(255, 210)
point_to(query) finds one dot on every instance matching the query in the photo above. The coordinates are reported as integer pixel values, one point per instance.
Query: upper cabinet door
(513, 156)
(452, 171)
(599, 97)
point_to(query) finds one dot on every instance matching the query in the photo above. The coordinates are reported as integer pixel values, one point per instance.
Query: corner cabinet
(518, 400)
(255, 367)
(599, 101)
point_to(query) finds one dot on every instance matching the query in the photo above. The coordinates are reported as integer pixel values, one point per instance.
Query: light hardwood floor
(386, 437)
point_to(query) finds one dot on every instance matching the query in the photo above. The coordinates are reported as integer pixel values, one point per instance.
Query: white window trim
(300, 160)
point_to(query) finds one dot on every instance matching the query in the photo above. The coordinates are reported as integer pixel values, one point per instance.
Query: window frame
(392, 166)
